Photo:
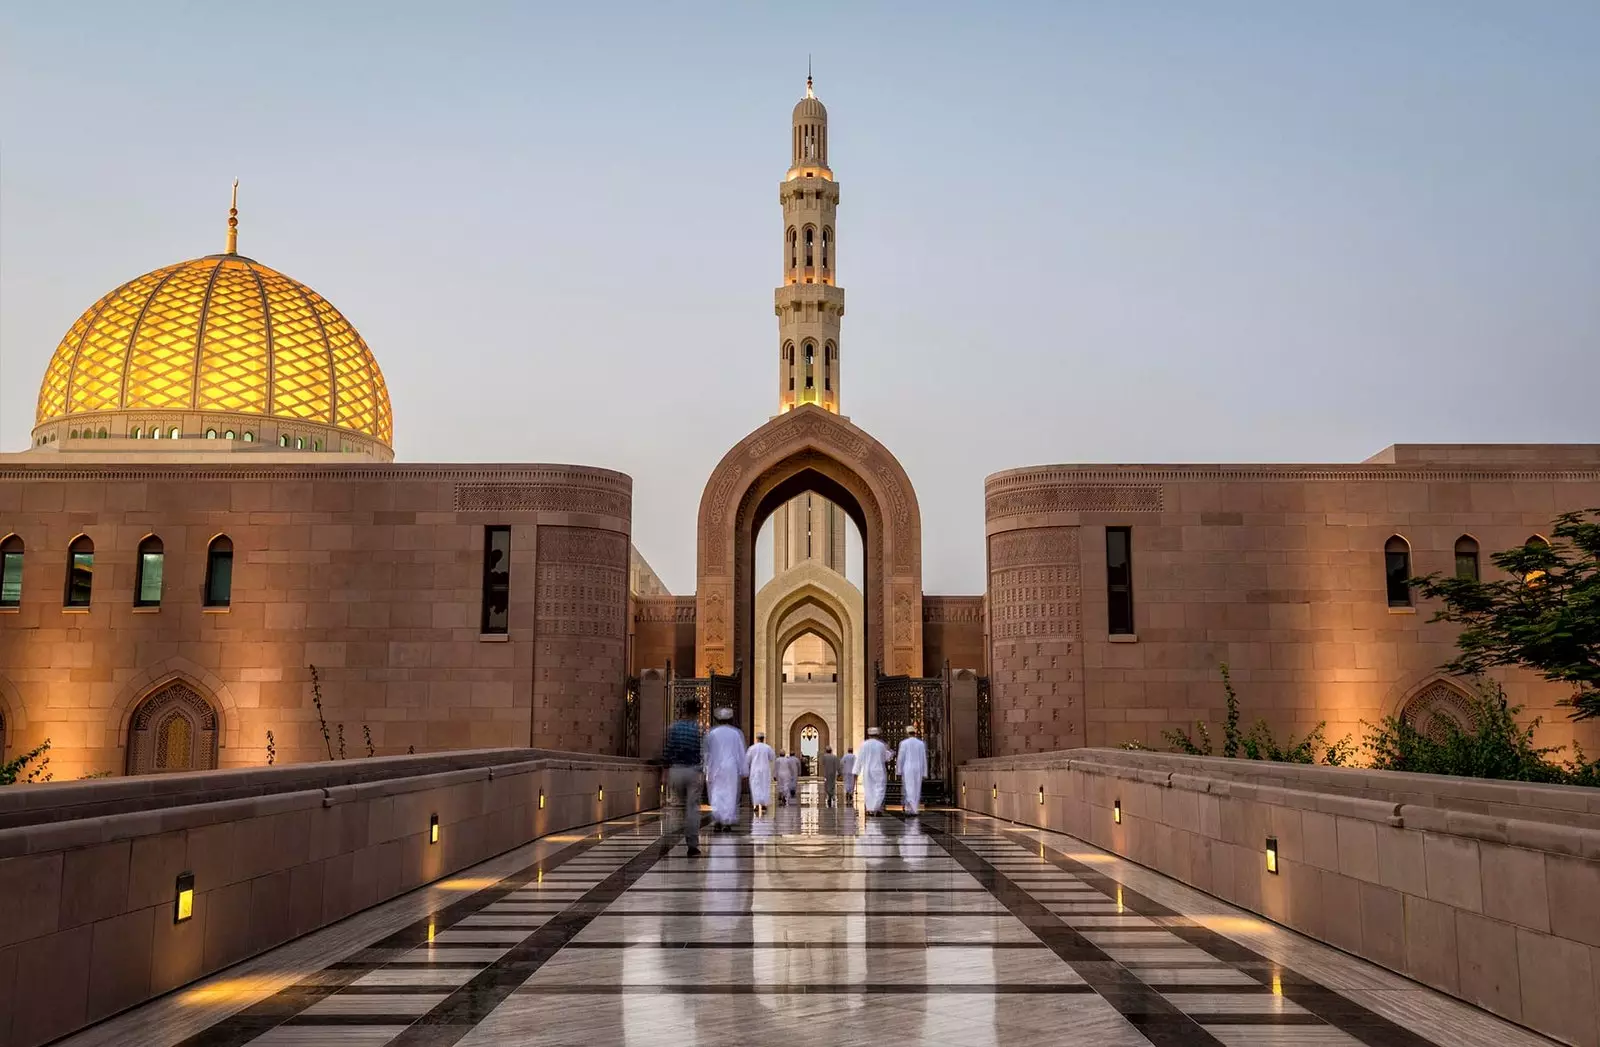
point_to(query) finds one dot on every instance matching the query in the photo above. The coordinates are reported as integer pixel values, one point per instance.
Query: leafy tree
(1544, 617)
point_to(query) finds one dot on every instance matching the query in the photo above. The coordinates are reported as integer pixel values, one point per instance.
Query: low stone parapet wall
(1489, 891)
(88, 905)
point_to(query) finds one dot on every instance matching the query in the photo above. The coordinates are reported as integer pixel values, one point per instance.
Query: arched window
(299, 443)
(1540, 542)
(174, 729)
(174, 433)
(227, 434)
(11, 571)
(249, 437)
(810, 236)
(1397, 571)
(211, 434)
(316, 445)
(80, 572)
(283, 440)
(137, 434)
(147, 584)
(155, 432)
(219, 572)
(827, 367)
(72, 435)
(811, 359)
(794, 259)
(827, 247)
(101, 435)
(1467, 557)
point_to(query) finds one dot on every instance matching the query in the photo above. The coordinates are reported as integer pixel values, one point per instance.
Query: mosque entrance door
(923, 702)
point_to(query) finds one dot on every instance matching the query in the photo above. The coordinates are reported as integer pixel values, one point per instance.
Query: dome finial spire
(809, 92)
(233, 220)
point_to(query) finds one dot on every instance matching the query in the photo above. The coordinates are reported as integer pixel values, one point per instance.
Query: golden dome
(222, 335)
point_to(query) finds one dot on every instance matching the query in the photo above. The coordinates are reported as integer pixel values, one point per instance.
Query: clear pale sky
(1069, 232)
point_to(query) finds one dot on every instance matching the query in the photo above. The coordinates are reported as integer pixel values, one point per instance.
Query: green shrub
(1260, 743)
(1497, 747)
(11, 773)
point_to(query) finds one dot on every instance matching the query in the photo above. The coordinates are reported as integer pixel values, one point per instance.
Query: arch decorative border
(120, 716)
(810, 440)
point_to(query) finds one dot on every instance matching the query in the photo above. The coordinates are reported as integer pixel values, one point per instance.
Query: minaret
(809, 306)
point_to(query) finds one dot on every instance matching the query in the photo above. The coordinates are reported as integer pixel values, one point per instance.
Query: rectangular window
(1119, 580)
(10, 579)
(496, 579)
(149, 594)
(80, 579)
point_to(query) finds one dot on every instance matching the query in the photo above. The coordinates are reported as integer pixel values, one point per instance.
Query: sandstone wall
(1276, 570)
(86, 904)
(1484, 890)
(372, 572)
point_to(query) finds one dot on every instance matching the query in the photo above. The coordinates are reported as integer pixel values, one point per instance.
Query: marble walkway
(812, 926)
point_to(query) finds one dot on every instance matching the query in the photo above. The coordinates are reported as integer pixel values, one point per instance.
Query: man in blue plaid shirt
(682, 756)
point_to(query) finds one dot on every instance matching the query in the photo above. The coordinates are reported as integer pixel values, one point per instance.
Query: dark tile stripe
(1157, 1019)
(1341, 1012)
(810, 988)
(253, 1021)
(470, 1004)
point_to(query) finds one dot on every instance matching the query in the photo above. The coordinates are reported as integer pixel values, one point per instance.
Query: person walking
(759, 760)
(911, 763)
(847, 767)
(872, 767)
(785, 778)
(830, 775)
(682, 757)
(725, 767)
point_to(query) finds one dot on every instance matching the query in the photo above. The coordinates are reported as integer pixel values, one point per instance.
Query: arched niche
(808, 449)
(798, 727)
(173, 728)
(1432, 708)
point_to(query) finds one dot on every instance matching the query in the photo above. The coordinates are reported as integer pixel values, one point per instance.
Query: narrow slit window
(1119, 580)
(219, 572)
(80, 572)
(1397, 571)
(11, 572)
(152, 560)
(496, 580)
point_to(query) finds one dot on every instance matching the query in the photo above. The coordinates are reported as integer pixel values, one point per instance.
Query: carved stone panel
(1036, 652)
(580, 605)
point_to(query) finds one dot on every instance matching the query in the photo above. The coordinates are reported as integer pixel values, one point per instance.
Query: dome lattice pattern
(220, 333)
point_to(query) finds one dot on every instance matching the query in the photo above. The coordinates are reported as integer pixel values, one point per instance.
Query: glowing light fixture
(1272, 855)
(541, 799)
(433, 828)
(601, 795)
(183, 904)
(1041, 796)
(1116, 811)
(994, 792)
(637, 791)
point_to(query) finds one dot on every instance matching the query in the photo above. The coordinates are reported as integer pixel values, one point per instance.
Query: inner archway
(808, 450)
(808, 735)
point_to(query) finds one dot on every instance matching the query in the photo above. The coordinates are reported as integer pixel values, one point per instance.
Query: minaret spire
(233, 220)
(809, 92)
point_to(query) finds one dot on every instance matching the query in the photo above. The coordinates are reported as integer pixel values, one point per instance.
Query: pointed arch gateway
(808, 449)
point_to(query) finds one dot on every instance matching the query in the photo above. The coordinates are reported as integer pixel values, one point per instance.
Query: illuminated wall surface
(219, 333)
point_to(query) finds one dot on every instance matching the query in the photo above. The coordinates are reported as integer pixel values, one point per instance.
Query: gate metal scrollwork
(630, 719)
(985, 719)
(925, 702)
(712, 692)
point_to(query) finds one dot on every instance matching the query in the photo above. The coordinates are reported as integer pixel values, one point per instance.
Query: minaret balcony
(793, 296)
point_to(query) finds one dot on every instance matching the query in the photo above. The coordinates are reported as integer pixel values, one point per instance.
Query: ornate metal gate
(630, 718)
(985, 719)
(712, 692)
(925, 702)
